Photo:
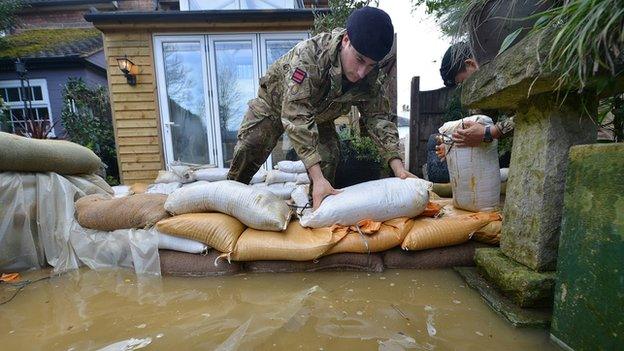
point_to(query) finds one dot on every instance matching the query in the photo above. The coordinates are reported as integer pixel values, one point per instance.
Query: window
(198, 5)
(37, 99)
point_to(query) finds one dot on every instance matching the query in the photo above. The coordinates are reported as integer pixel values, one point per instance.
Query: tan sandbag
(22, 154)
(296, 243)
(138, 188)
(490, 234)
(217, 230)
(391, 234)
(105, 213)
(428, 233)
(443, 189)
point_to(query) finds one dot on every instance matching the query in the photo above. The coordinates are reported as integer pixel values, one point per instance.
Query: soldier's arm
(378, 116)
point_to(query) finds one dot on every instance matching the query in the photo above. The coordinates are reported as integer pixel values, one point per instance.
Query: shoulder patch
(299, 75)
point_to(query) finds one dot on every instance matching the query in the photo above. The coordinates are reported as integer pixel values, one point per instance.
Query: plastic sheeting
(130, 248)
(37, 211)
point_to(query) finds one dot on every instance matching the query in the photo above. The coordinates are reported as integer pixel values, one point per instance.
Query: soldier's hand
(471, 134)
(441, 151)
(320, 190)
(399, 170)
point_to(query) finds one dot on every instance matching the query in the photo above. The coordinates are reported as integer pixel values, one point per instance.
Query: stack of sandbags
(141, 211)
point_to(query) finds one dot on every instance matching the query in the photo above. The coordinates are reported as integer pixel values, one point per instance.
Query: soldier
(316, 82)
(457, 65)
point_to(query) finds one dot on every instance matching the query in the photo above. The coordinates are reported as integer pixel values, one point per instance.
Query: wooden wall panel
(135, 110)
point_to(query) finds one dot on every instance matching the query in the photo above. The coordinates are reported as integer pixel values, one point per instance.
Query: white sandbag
(301, 199)
(291, 166)
(211, 174)
(255, 207)
(275, 176)
(474, 171)
(379, 200)
(163, 188)
(504, 174)
(194, 184)
(302, 178)
(184, 172)
(168, 177)
(282, 190)
(259, 177)
(170, 242)
(122, 191)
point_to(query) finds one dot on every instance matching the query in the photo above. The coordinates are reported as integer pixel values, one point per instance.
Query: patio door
(204, 84)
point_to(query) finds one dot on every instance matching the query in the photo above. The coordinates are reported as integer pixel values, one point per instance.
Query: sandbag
(428, 233)
(217, 230)
(184, 172)
(275, 176)
(391, 234)
(300, 197)
(291, 166)
(443, 189)
(337, 262)
(22, 154)
(138, 188)
(259, 177)
(490, 233)
(256, 208)
(474, 171)
(122, 191)
(211, 174)
(135, 211)
(302, 178)
(281, 190)
(183, 264)
(295, 244)
(461, 255)
(168, 177)
(90, 184)
(504, 174)
(163, 188)
(169, 242)
(378, 200)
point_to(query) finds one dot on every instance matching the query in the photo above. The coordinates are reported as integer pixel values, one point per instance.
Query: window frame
(35, 104)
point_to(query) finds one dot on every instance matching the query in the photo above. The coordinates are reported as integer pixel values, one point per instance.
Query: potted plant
(360, 160)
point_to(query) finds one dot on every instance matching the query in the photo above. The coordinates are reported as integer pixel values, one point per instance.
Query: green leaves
(337, 18)
(509, 40)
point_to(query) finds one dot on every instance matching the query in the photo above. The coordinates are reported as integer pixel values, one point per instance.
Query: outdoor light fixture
(128, 68)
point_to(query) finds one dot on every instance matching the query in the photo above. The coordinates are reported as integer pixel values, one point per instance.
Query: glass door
(235, 78)
(184, 102)
(273, 47)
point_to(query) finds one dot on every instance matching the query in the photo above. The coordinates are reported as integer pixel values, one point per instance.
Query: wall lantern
(129, 69)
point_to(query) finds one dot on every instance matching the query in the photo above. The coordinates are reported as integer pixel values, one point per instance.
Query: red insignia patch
(299, 75)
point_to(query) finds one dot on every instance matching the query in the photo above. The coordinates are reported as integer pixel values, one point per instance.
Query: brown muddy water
(394, 310)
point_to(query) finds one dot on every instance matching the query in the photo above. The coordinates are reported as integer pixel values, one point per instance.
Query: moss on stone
(523, 285)
(38, 40)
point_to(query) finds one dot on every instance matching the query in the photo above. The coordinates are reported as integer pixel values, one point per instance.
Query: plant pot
(492, 21)
(352, 171)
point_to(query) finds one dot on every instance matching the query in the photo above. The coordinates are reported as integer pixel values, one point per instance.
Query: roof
(51, 47)
(46, 43)
(211, 16)
(49, 3)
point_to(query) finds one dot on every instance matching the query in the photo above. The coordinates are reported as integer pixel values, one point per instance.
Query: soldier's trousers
(258, 136)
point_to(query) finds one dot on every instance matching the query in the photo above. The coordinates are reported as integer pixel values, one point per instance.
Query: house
(55, 43)
(188, 74)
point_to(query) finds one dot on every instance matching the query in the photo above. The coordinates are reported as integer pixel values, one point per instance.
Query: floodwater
(394, 310)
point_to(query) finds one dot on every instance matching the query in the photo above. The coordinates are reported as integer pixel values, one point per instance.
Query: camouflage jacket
(304, 89)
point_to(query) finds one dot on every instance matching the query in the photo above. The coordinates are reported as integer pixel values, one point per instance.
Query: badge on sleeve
(299, 75)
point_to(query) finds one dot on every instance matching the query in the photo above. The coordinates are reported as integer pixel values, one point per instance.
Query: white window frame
(163, 98)
(185, 5)
(208, 57)
(44, 103)
(212, 39)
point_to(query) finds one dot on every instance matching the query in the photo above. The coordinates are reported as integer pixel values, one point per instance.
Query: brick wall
(52, 19)
(137, 5)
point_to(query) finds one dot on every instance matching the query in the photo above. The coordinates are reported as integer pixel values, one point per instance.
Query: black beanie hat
(453, 62)
(370, 32)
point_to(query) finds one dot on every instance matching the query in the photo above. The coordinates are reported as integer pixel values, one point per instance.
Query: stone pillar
(545, 130)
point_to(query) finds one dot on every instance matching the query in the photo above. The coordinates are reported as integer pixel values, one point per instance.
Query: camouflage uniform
(302, 94)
